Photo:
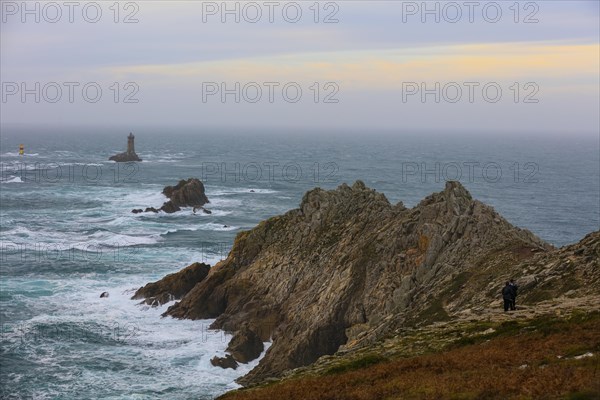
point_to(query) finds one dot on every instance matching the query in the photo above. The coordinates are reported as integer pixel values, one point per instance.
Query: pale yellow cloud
(388, 69)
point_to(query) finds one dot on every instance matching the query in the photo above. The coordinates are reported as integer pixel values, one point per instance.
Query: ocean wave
(16, 154)
(52, 330)
(211, 226)
(165, 160)
(91, 240)
(94, 329)
(223, 202)
(165, 157)
(21, 231)
(114, 240)
(215, 212)
(13, 166)
(175, 230)
(120, 221)
(12, 179)
(142, 199)
(80, 163)
(223, 191)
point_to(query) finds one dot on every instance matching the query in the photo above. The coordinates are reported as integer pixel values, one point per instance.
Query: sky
(466, 66)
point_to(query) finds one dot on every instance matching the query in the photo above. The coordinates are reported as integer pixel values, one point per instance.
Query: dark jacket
(514, 288)
(508, 293)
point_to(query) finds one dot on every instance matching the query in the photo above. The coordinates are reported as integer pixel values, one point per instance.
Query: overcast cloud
(371, 67)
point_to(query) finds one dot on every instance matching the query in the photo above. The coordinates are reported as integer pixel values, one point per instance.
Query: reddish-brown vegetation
(532, 363)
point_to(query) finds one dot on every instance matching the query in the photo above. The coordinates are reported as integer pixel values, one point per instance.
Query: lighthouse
(130, 144)
(129, 155)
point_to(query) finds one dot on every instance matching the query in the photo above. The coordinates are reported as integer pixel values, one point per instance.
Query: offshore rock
(224, 362)
(125, 157)
(187, 193)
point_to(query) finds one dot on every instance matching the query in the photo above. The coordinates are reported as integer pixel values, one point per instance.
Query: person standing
(514, 288)
(507, 296)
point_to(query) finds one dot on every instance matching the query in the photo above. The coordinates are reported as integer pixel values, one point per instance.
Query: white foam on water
(211, 226)
(21, 231)
(15, 166)
(175, 230)
(16, 154)
(215, 212)
(224, 202)
(55, 240)
(12, 179)
(223, 191)
(165, 157)
(159, 353)
(109, 239)
(7, 246)
(82, 164)
(164, 160)
(140, 199)
(119, 221)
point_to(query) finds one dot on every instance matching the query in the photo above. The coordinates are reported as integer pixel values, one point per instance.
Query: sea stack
(130, 154)
(187, 193)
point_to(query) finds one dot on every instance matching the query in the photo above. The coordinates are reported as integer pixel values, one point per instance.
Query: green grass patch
(356, 364)
(544, 325)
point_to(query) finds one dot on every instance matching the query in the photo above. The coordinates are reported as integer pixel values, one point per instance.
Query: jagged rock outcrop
(347, 267)
(173, 286)
(246, 345)
(571, 271)
(224, 362)
(187, 193)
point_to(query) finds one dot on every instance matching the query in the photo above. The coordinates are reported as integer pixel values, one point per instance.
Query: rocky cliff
(547, 348)
(347, 268)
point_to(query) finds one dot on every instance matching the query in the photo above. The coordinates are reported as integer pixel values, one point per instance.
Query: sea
(67, 233)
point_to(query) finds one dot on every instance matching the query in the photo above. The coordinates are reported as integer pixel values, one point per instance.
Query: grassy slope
(514, 359)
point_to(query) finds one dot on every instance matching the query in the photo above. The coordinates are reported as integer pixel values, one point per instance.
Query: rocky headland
(347, 270)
